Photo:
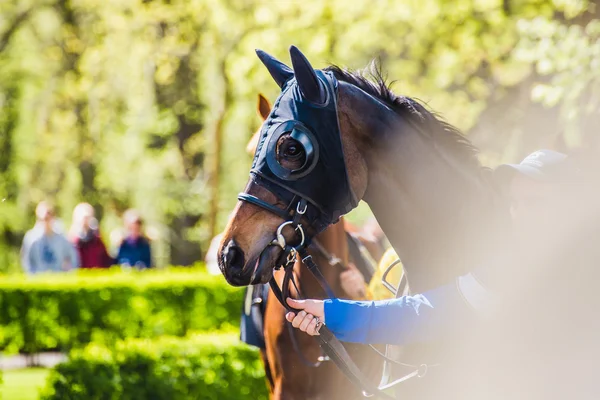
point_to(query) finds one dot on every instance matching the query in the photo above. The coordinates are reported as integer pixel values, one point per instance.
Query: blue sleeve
(426, 317)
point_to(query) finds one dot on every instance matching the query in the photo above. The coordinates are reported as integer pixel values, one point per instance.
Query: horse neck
(333, 239)
(430, 207)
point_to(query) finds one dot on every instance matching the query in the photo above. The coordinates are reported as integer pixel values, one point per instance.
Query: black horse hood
(322, 180)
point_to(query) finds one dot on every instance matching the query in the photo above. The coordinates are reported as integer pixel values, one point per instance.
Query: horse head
(300, 171)
(331, 139)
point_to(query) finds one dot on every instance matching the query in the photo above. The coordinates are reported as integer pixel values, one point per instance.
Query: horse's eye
(292, 150)
(291, 154)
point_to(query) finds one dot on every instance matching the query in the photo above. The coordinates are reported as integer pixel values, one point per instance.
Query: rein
(333, 349)
(333, 261)
(330, 345)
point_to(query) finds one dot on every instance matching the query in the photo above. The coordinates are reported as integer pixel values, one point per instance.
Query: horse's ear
(309, 84)
(280, 72)
(263, 107)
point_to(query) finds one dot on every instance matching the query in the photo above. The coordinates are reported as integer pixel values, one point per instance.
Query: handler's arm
(430, 316)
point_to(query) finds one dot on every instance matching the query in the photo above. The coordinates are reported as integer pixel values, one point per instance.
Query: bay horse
(292, 359)
(335, 137)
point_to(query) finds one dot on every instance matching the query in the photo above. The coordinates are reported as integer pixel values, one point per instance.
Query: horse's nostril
(234, 256)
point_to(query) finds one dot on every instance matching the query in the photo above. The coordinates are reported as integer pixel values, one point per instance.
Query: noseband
(288, 256)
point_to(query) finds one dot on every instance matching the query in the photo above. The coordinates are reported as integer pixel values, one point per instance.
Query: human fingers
(298, 319)
(304, 324)
(290, 316)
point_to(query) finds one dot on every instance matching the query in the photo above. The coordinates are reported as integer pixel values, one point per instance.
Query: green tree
(150, 104)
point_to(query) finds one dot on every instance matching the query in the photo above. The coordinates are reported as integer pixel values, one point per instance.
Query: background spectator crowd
(46, 248)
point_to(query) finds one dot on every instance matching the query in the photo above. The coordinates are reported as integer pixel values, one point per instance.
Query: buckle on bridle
(303, 211)
(291, 257)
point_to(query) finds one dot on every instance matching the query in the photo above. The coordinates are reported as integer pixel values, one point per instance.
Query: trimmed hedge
(63, 311)
(199, 367)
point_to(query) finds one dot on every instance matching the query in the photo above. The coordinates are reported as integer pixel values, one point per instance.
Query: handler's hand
(306, 320)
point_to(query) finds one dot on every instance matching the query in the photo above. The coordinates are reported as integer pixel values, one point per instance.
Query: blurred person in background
(85, 236)
(44, 248)
(135, 249)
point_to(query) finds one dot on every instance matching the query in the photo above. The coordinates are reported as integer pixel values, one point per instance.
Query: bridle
(317, 194)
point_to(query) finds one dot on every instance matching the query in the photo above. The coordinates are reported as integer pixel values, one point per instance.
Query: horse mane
(448, 137)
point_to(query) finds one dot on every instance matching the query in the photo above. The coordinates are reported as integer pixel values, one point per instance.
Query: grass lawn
(22, 384)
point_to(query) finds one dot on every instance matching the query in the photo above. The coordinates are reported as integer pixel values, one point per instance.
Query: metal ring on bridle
(280, 239)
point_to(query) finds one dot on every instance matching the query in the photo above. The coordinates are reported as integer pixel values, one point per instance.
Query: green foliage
(215, 367)
(147, 104)
(567, 59)
(66, 311)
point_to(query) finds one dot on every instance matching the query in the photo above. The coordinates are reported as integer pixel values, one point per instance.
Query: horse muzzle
(237, 272)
